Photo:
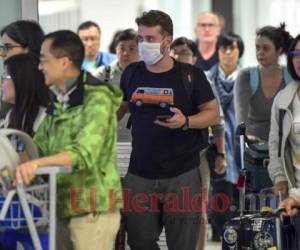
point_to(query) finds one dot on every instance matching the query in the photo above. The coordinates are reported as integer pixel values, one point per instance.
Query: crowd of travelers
(178, 103)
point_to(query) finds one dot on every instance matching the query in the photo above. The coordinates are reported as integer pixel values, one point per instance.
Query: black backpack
(187, 77)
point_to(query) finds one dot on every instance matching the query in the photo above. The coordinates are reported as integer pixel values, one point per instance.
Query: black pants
(224, 201)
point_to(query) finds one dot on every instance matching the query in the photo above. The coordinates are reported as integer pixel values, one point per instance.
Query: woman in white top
(284, 138)
(22, 85)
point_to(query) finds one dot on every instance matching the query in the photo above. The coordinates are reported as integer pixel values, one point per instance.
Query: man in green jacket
(79, 132)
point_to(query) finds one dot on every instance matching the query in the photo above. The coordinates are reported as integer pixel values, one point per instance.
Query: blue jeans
(151, 204)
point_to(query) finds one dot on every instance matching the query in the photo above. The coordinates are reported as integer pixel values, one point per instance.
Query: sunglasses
(294, 53)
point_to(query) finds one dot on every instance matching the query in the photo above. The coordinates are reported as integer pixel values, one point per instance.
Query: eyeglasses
(294, 53)
(207, 25)
(7, 47)
(44, 60)
(5, 76)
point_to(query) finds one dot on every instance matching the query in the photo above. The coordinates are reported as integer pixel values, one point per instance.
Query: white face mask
(150, 52)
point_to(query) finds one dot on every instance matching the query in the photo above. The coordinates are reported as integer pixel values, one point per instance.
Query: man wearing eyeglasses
(79, 132)
(207, 31)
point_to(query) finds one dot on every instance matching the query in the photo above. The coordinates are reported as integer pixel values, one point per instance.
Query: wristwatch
(221, 154)
(186, 124)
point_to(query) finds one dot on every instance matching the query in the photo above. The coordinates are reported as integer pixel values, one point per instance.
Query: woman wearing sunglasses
(284, 140)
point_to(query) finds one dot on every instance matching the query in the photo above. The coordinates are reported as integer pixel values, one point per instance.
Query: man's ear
(169, 40)
(65, 62)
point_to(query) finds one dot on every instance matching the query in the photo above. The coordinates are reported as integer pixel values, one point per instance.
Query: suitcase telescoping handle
(241, 184)
(241, 132)
(279, 210)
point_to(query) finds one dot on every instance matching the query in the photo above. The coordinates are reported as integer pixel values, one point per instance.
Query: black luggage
(254, 230)
(256, 159)
(258, 232)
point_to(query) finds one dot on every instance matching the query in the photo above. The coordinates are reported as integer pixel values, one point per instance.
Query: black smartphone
(163, 118)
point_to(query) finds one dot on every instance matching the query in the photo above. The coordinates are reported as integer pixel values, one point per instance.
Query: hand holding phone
(163, 118)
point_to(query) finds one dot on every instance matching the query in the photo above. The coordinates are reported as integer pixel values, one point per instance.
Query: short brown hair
(156, 17)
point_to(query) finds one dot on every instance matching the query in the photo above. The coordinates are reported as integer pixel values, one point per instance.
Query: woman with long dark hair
(23, 87)
(22, 36)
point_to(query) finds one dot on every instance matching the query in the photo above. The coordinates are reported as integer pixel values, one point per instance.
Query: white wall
(254, 14)
(111, 16)
(59, 14)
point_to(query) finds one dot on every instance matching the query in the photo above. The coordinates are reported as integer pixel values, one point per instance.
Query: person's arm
(275, 167)
(290, 205)
(242, 95)
(220, 162)
(122, 110)
(26, 171)
(208, 115)
(219, 136)
(81, 153)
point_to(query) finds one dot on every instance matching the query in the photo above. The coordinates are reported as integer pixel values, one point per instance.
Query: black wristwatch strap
(186, 124)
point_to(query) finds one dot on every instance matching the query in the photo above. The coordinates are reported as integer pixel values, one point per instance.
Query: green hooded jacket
(86, 128)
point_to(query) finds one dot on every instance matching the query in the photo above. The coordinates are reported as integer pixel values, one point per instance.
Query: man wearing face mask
(163, 186)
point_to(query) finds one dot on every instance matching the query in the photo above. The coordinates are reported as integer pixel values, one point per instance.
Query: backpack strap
(280, 126)
(129, 122)
(187, 77)
(188, 80)
(107, 70)
(89, 79)
(286, 76)
(254, 79)
(133, 70)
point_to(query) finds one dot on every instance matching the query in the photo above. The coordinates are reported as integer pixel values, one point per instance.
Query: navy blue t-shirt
(206, 64)
(159, 152)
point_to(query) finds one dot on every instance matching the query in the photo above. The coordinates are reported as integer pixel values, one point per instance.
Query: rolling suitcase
(257, 232)
(254, 230)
